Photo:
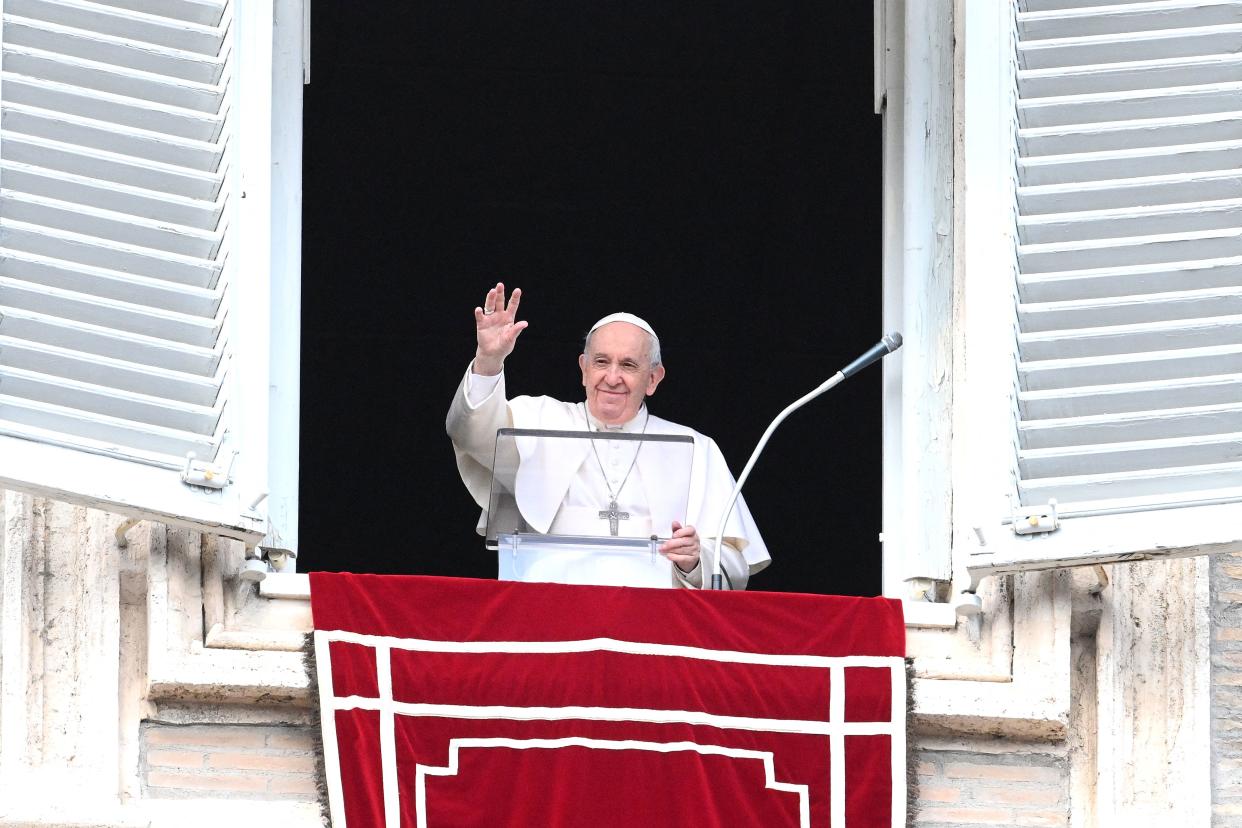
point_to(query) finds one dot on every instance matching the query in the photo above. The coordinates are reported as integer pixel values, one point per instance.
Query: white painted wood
(103, 77)
(111, 126)
(152, 293)
(1128, 291)
(148, 28)
(109, 401)
(1120, 48)
(131, 161)
(110, 196)
(115, 373)
(138, 319)
(1113, 194)
(1125, 397)
(1088, 283)
(1130, 368)
(1132, 75)
(926, 263)
(107, 165)
(113, 50)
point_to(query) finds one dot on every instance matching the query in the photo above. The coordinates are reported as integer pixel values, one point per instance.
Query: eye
(600, 362)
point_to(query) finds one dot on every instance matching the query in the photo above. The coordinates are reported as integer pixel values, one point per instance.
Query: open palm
(496, 329)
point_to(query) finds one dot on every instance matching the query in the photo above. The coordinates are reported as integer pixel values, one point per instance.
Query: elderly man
(621, 367)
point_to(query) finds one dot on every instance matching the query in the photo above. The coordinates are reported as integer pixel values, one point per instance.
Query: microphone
(885, 346)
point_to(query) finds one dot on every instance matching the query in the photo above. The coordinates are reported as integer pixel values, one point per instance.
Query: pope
(621, 366)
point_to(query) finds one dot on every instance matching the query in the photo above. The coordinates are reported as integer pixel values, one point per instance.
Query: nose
(613, 376)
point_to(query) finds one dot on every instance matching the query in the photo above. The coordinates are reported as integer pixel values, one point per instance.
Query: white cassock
(573, 491)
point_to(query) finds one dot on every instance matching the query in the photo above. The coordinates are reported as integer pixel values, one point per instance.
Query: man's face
(617, 372)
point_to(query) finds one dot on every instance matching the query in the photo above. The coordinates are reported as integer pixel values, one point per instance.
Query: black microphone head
(892, 341)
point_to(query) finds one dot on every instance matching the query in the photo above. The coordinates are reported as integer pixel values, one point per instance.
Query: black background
(714, 169)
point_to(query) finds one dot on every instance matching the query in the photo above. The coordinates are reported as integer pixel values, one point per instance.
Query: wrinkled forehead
(619, 339)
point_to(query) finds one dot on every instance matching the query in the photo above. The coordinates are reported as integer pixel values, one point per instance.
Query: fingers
(514, 300)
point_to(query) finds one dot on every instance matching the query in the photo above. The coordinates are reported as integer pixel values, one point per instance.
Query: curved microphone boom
(885, 346)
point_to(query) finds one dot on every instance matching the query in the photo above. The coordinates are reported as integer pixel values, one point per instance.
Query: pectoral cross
(612, 515)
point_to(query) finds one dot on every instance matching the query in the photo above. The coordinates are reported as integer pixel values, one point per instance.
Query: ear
(582, 368)
(657, 374)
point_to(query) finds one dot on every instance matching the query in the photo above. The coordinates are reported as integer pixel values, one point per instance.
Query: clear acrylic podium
(599, 544)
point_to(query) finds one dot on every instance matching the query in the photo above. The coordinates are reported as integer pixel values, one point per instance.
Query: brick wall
(229, 761)
(967, 788)
(1226, 651)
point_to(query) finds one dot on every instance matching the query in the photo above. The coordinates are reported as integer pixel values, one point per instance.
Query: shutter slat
(1093, 283)
(120, 316)
(112, 402)
(1148, 338)
(1179, 159)
(156, 294)
(1131, 221)
(1155, 249)
(1140, 74)
(96, 340)
(1210, 128)
(115, 373)
(117, 198)
(87, 74)
(160, 139)
(1130, 105)
(1134, 192)
(1141, 455)
(113, 50)
(1043, 375)
(1134, 427)
(1128, 397)
(111, 166)
(119, 23)
(1127, 18)
(109, 225)
(1123, 48)
(1170, 484)
(102, 253)
(203, 12)
(100, 429)
(1130, 310)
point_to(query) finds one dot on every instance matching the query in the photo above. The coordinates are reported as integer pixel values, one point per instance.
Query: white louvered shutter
(1129, 266)
(121, 271)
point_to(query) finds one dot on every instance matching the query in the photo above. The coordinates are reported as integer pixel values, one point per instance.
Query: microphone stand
(885, 346)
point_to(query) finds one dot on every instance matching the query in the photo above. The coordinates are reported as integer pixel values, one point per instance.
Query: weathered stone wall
(142, 683)
(1227, 691)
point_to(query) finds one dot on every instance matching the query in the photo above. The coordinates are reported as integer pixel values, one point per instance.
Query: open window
(149, 261)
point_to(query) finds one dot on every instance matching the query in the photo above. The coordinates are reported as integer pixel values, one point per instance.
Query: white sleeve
(480, 386)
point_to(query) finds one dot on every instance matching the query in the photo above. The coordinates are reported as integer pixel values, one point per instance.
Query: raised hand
(496, 328)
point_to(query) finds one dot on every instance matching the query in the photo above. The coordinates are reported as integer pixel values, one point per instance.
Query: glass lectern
(587, 507)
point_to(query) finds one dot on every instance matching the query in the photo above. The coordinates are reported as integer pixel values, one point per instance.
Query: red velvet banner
(450, 702)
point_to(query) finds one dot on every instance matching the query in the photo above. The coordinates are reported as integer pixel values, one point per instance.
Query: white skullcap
(623, 317)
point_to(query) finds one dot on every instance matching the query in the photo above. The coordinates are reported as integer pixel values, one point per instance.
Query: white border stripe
(836, 744)
(619, 714)
(455, 746)
(327, 723)
(897, 752)
(388, 738)
(607, 645)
